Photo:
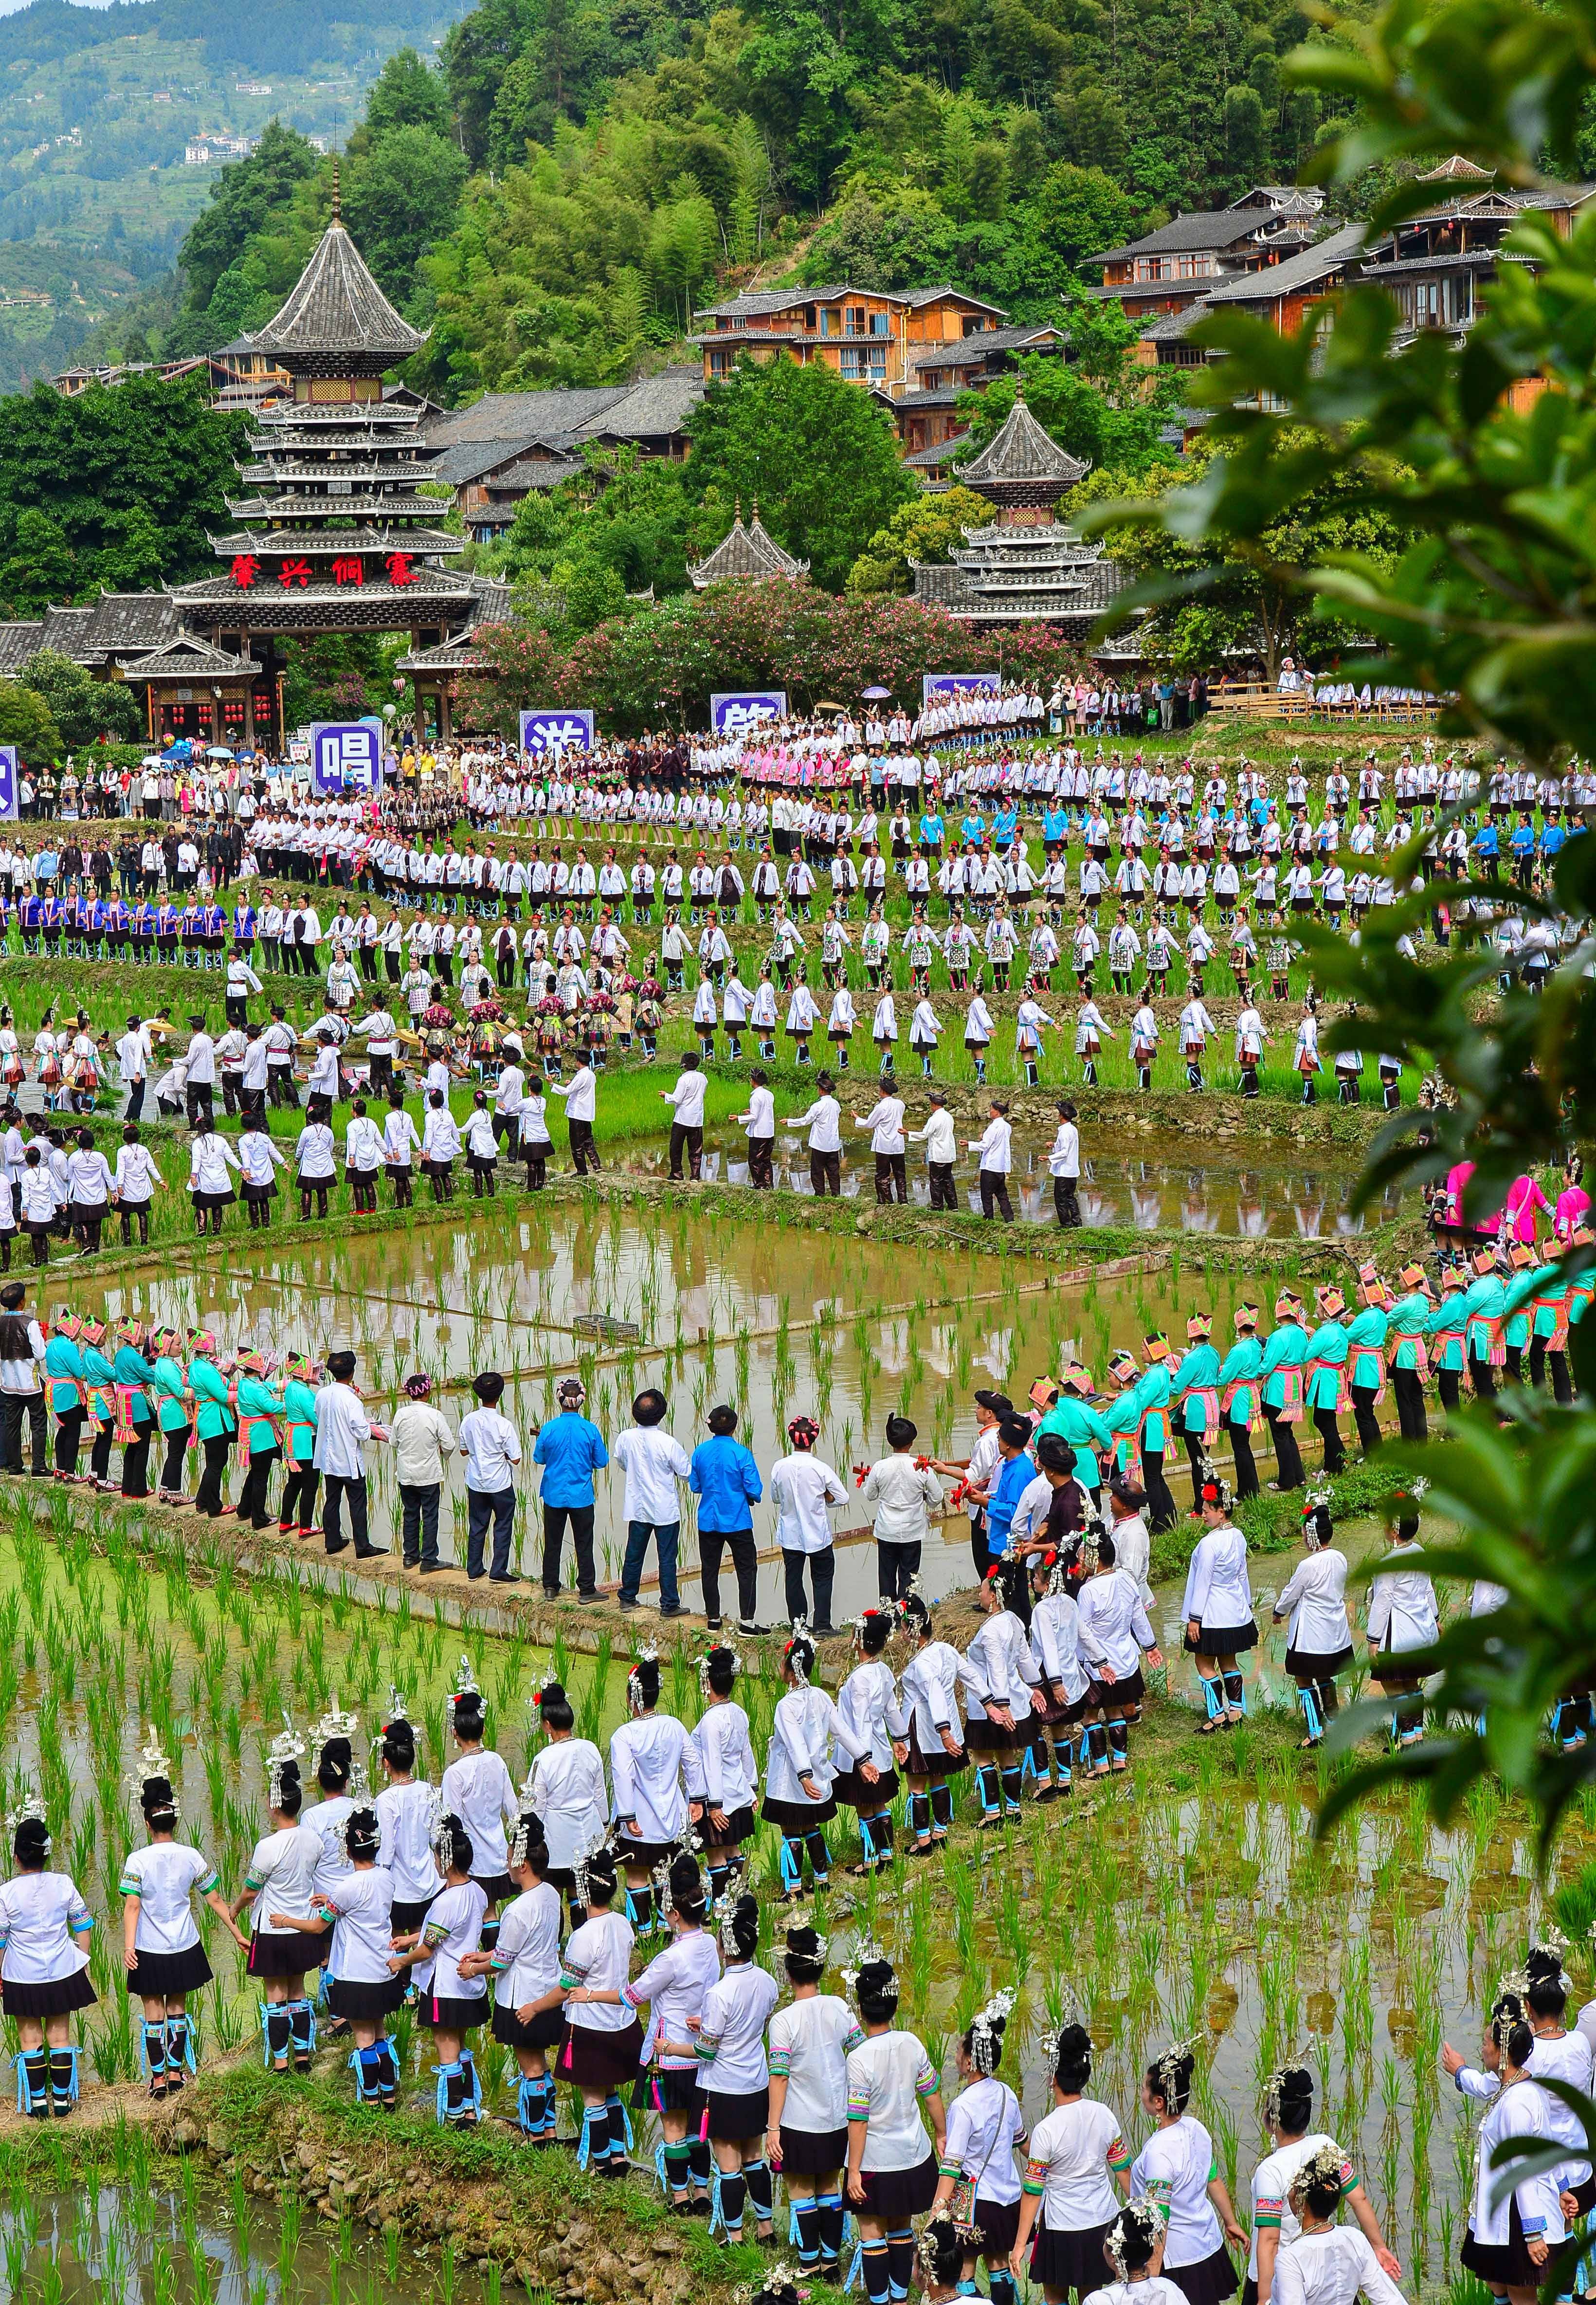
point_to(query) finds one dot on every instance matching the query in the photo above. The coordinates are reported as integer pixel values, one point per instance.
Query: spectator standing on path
(994, 1147)
(581, 1094)
(726, 1480)
(901, 1494)
(570, 1448)
(687, 1122)
(1064, 1163)
(343, 1429)
(422, 1441)
(803, 1488)
(491, 1448)
(654, 1461)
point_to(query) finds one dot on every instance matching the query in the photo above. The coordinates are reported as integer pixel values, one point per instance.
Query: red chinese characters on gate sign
(295, 572)
(245, 570)
(401, 569)
(349, 568)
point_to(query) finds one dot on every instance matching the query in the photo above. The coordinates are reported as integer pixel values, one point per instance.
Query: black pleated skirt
(163, 1975)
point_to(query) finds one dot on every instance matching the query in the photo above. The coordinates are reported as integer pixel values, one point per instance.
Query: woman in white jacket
(1001, 1681)
(1319, 1640)
(210, 1185)
(1328, 2264)
(799, 1772)
(1512, 2230)
(868, 1701)
(1219, 1608)
(1402, 1619)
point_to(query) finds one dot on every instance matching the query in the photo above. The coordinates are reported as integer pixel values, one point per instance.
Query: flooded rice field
(1189, 1900)
(776, 1319)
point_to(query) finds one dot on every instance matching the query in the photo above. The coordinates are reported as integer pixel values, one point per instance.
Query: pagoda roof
(186, 652)
(336, 309)
(338, 540)
(746, 554)
(370, 506)
(438, 597)
(363, 424)
(1021, 456)
(456, 655)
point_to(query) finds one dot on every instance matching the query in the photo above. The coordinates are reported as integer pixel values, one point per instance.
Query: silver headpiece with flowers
(151, 1762)
(30, 1810)
(286, 1745)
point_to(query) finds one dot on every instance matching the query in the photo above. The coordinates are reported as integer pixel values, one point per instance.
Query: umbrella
(874, 695)
(830, 708)
(150, 761)
(218, 752)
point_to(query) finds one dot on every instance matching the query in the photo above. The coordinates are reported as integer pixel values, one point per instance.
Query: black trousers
(825, 1174)
(135, 1461)
(689, 1141)
(994, 1189)
(585, 1152)
(32, 1405)
(1408, 1386)
(822, 1571)
(1329, 1434)
(1067, 1201)
(761, 1166)
(1562, 1390)
(739, 1543)
(943, 1195)
(1246, 1469)
(1288, 1457)
(208, 1497)
(69, 1431)
(1447, 1382)
(1164, 1510)
(1364, 1417)
(1196, 1451)
(172, 1470)
(581, 1520)
(299, 1496)
(1483, 1377)
(418, 1525)
(258, 1481)
(895, 1566)
(339, 1487)
(100, 1454)
(892, 1180)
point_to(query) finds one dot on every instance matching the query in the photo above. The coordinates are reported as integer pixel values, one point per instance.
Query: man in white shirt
(21, 1394)
(803, 1488)
(581, 1094)
(135, 1053)
(994, 1147)
(201, 1079)
(343, 1429)
(759, 1123)
(1064, 1166)
(824, 1122)
(940, 1138)
(687, 1124)
(491, 1448)
(654, 1461)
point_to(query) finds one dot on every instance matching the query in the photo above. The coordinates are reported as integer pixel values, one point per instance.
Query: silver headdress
(442, 1838)
(465, 1683)
(634, 1679)
(520, 1841)
(336, 1723)
(1274, 2088)
(1326, 2164)
(582, 1862)
(30, 1810)
(1141, 2215)
(1166, 2067)
(925, 2243)
(286, 1745)
(1210, 1477)
(864, 1954)
(801, 1632)
(986, 2034)
(1057, 1577)
(1550, 1944)
(151, 1762)
(724, 1648)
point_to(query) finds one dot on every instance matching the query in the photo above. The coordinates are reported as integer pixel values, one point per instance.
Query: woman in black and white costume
(734, 2074)
(933, 1749)
(1511, 2234)
(1077, 2154)
(1403, 1616)
(731, 1773)
(1218, 1607)
(999, 1678)
(528, 1997)
(450, 2000)
(799, 1770)
(1318, 1639)
(478, 1790)
(1176, 2168)
(566, 1792)
(1541, 1996)
(1060, 1682)
(1134, 2253)
(407, 1810)
(281, 1878)
(892, 2164)
(160, 1941)
(808, 2138)
(332, 1740)
(984, 2125)
(868, 1701)
(44, 1968)
(658, 1787)
(355, 1902)
(1287, 2114)
(604, 2041)
(1114, 1634)
(1328, 2264)
(672, 1987)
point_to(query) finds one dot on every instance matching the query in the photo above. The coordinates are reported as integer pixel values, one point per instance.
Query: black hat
(997, 1404)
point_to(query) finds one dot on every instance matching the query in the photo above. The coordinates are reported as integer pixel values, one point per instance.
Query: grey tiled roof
(18, 643)
(472, 458)
(520, 417)
(745, 554)
(970, 351)
(1298, 272)
(185, 652)
(336, 306)
(1169, 328)
(1021, 452)
(658, 405)
(1189, 236)
(538, 472)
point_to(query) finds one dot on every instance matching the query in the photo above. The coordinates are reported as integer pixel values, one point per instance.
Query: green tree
(26, 722)
(401, 196)
(41, 565)
(241, 199)
(81, 707)
(925, 529)
(1101, 405)
(817, 453)
(407, 94)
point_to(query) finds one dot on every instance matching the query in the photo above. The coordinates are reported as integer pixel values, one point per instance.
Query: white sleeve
(1373, 2280)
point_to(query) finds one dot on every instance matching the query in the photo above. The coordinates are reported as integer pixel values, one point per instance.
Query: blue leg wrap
(1063, 1756)
(152, 2047)
(986, 1786)
(594, 2117)
(791, 1865)
(620, 2121)
(1310, 1713)
(63, 2074)
(445, 2073)
(1213, 1694)
(301, 2025)
(276, 2031)
(181, 2051)
(1235, 1692)
(33, 2081)
(366, 2066)
(532, 2105)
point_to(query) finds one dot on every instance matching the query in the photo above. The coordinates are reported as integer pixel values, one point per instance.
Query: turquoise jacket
(1446, 1329)
(1518, 1296)
(1085, 1430)
(64, 1363)
(1153, 1393)
(1240, 1368)
(98, 1372)
(1409, 1323)
(170, 1385)
(1124, 1421)
(1198, 1370)
(134, 1370)
(1483, 1305)
(1286, 1349)
(1551, 1299)
(300, 1401)
(256, 1399)
(209, 1388)
(1328, 1344)
(1366, 1346)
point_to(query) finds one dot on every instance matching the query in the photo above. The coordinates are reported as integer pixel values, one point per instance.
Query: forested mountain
(555, 195)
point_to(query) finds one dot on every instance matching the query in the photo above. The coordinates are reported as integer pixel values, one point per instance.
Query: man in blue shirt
(726, 1481)
(1014, 1474)
(570, 1449)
